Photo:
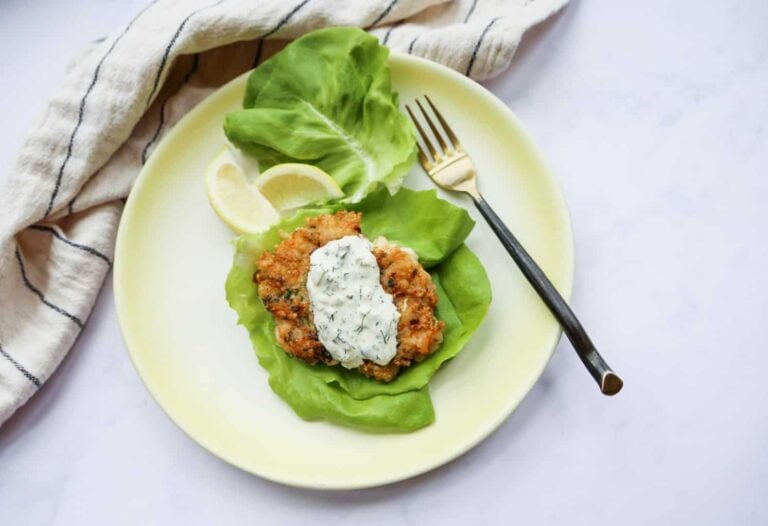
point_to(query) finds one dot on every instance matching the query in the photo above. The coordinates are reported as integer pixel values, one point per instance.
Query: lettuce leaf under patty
(326, 100)
(436, 230)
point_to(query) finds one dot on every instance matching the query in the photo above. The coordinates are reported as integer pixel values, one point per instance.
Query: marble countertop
(653, 117)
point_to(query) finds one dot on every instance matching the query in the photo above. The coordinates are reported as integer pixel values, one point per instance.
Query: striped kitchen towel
(60, 207)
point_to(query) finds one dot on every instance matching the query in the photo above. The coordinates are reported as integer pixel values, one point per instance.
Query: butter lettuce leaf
(326, 99)
(344, 396)
(448, 225)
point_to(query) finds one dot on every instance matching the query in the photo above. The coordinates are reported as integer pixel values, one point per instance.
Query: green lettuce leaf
(346, 397)
(448, 225)
(326, 100)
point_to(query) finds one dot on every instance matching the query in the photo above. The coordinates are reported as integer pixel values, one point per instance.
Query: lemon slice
(293, 185)
(236, 201)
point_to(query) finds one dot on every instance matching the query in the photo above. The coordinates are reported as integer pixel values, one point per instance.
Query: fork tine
(432, 127)
(448, 130)
(424, 159)
(424, 136)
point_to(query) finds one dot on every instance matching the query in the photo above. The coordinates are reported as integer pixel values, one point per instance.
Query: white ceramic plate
(173, 255)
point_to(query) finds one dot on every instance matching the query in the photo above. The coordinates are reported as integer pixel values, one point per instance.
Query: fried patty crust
(282, 284)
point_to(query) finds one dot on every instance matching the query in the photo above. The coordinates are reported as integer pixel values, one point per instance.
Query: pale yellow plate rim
(566, 288)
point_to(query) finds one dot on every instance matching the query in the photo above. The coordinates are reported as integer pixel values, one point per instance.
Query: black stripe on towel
(32, 378)
(277, 28)
(389, 32)
(84, 248)
(471, 10)
(257, 57)
(384, 13)
(39, 294)
(169, 47)
(81, 110)
(410, 46)
(285, 19)
(161, 121)
(478, 44)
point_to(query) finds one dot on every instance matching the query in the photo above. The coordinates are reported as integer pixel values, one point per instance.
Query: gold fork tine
(424, 159)
(432, 127)
(448, 130)
(424, 137)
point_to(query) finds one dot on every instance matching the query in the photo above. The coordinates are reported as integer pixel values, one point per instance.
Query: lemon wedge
(293, 185)
(236, 201)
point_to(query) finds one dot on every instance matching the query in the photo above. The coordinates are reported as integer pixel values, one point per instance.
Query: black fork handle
(609, 382)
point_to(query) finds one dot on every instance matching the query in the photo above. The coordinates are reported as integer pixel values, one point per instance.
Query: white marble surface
(653, 115)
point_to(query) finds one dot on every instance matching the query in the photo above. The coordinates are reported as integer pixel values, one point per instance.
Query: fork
(452, 168)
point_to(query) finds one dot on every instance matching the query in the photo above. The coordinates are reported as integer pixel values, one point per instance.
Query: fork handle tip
(610, 383)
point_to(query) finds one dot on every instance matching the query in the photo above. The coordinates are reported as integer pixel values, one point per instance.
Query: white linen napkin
(60, 207)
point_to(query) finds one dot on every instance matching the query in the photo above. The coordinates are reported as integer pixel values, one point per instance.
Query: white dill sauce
(355, 318)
